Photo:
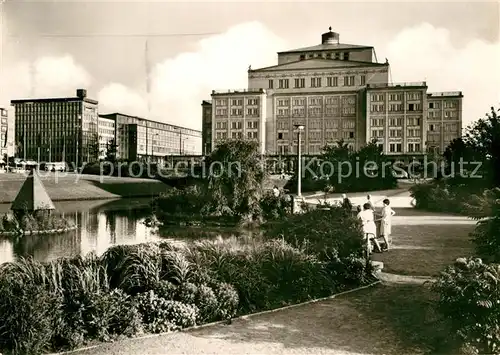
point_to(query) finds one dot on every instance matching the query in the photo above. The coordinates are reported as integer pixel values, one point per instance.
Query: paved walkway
(390, 318)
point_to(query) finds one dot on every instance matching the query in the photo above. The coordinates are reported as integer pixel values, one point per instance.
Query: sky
(161, 59)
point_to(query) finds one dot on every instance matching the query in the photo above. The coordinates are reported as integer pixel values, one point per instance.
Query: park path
(390, 318)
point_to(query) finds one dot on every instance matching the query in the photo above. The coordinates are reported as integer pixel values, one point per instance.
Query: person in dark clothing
(346, 203)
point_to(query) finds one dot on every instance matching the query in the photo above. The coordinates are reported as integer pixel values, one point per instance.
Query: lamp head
(299, 127)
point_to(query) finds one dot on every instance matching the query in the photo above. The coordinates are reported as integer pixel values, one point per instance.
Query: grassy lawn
(407, 314)
(72, 187)
(426, 249)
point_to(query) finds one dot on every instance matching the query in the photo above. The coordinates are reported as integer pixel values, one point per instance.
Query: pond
(101, 224)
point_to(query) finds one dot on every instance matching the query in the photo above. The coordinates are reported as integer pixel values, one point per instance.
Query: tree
(485, 209)
(479, 146)
(93, 147)
(111, 150)
(236, 178)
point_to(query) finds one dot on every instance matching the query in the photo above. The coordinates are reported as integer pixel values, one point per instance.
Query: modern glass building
(140, 139)
(57, 129)
(4, 132)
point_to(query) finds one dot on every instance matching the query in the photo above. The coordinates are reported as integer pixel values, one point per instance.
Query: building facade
(141, 139)
(4, 134)
(239, 114)
(337, 92)
(444, 120)
(107, 133)
(206, 140)
(57, 129)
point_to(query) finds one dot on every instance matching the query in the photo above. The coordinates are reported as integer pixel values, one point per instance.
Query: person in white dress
(386, 223)
(369, 228)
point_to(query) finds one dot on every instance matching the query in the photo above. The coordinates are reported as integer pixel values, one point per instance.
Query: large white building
(338, 92)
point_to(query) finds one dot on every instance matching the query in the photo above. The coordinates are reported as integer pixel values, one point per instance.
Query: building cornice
(295, 73)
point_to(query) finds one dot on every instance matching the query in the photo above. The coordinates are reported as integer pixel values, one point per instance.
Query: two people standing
(368, 218)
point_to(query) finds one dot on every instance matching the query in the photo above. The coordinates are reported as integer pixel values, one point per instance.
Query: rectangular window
(271, 84)
(300, 83)
(315, 82)
(283, 83)
(332, 81)
(349, 80)
(363, 80)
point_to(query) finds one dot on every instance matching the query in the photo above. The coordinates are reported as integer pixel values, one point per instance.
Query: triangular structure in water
(32, 196)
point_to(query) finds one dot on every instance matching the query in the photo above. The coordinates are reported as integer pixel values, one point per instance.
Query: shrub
(30, 317)
(321, 231)
(135, 268)
(439, 196)
(275, 207)
(126, 320)
(486, 235)
(175, 267)
(89, 305)
(161, 315)
(187, 293)
(187, 202)
(228, 300)
(207, 302)
(166, 290)
(469, 296)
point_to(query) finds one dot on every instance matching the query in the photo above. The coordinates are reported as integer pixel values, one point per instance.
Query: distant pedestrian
(369, 201)
(276, 191)
(346, 203)
(386, 223)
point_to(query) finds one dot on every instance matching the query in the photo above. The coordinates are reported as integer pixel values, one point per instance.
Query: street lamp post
(300, 128)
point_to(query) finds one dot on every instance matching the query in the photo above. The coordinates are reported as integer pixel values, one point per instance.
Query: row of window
(236, 135)
(398, 147)
(317, 82)
(311, 149)
(438, 115)
(316, 135)
(396, 121)
(396, 133)
(414, 96)
(316, 112)
(237, 125)
(334, 55)
(396, 96)
(318, 124)
(253, 101)
(395, 107)
(48, 107)
(446, 104)
(448, 127)
(317, 101)
(237, 112)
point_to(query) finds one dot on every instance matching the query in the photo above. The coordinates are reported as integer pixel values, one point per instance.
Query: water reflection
(101, 224)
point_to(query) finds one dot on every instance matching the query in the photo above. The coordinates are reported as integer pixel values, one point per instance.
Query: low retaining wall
(46, 231)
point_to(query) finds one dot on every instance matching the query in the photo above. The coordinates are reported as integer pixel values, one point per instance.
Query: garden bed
(156, 288)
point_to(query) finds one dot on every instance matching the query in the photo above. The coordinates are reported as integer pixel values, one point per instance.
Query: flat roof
(114, 114)
(445, 94)
(53, 99)
(327, 47)
(416, 84)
